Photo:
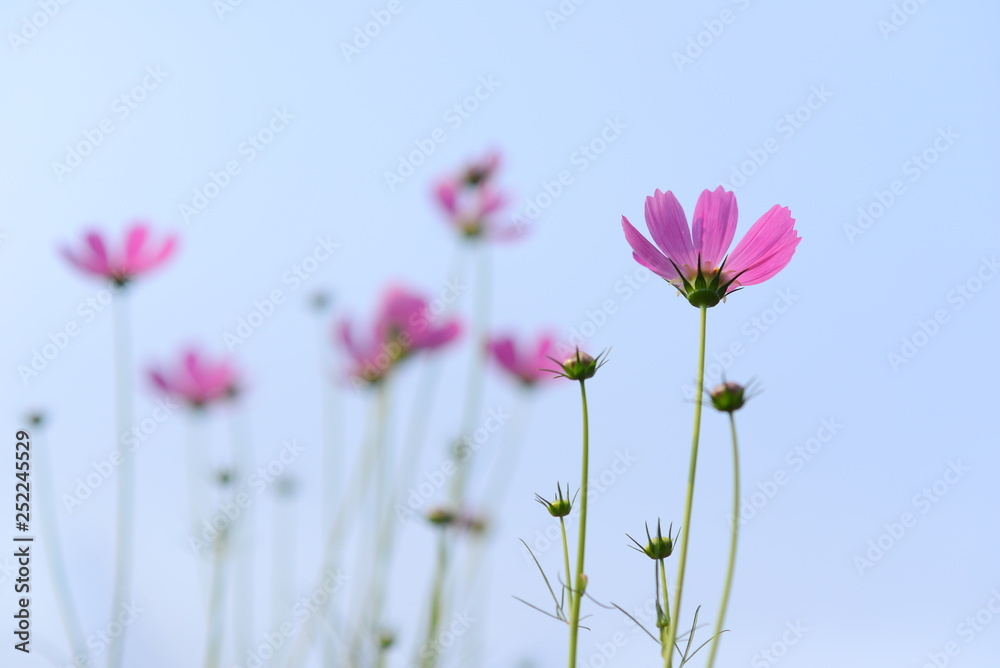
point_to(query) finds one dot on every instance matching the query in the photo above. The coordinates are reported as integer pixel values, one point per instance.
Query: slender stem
(242, 552)
(50, 534)
(692, 467)
(732, 545)
(126, 472)
(663, 588)
(576, 593)
(429, 651)
(565, 544)
(213, 647)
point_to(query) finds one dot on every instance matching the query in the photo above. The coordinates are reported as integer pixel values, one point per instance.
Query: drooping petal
(668, 226)
(88, 262)
(766, 248)
(714, 225)
(434, 337)
(503, 352)
(646, 253)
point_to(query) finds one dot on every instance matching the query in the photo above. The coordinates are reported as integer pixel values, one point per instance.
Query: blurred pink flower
(524, 362)
(695, 260)
(136, 257)
(470, 201)
(403, 325)
(197, 381)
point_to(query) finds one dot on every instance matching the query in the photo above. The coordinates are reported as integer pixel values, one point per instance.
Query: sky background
(884, 345)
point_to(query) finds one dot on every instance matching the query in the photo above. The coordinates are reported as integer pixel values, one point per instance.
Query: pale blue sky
(839, 111)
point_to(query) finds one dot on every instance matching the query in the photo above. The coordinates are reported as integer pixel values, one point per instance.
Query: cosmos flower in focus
(524, 361)
(136, 256)
(471, 201)
(196, 380)
(695, 260)
(403, 325)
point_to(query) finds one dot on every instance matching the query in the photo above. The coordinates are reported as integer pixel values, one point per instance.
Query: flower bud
(729, 397)
(560, 506)
(441, 516)
(579, 366)
(658, 547)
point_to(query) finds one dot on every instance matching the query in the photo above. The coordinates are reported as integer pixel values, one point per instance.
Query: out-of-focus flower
(695, 261)
(197, 381)
(403, 325)
(137, 256)
(471, 201)
(729, 397)
(524, 361)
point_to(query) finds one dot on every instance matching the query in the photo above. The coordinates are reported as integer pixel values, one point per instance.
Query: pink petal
(668, 226)
(134, 242)
(766, 248)
(160, 381)
(100, 256)
(646, 253)
(503, 351)
(714, 225)
(88, 263)
(438, 336)
(446, 192)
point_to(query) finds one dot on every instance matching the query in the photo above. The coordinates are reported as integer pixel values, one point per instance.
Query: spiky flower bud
(729, 397)
(560, 506)
(579, 365)
(657, 547)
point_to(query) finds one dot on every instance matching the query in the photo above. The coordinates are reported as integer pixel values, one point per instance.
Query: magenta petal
(765, 249)
(134, 242)
(446, 193)
(668, 226)
(714, 225)
(503, 352)
(646, 253)
(439, 336)
(99, 259)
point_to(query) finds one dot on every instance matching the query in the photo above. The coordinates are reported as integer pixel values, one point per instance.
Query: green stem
(576, 593)
(50, 534)
(121, 594)
(429, 651)
(663, 588)
(692, 467)
(242, 552)
(732, 546)
(565, 544)
(213, 647)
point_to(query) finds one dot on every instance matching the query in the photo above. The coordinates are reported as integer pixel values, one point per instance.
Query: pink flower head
(695, 261)
(138, 255)
(403, 325)
(197, 381)
(527, 362)
(471, 202)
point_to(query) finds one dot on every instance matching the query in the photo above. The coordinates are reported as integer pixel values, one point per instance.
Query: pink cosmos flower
(471, 202)
(403, 325)
(524, 363)
(136, 257)
(197, 381)
(695, 261)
